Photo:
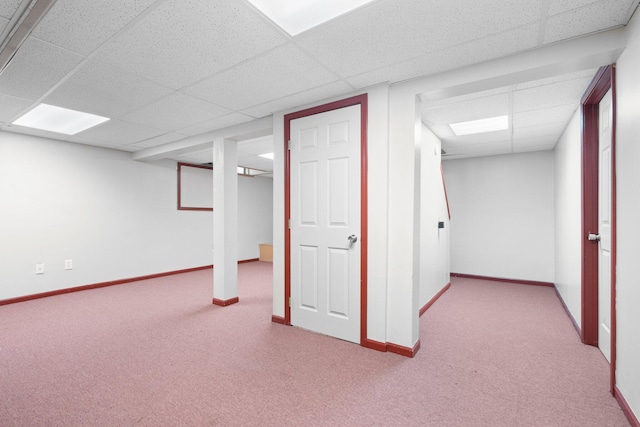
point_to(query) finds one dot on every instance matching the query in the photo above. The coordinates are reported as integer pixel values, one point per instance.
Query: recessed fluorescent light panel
(491, 124)
(267, 156)
(296, 16)
(60, 120)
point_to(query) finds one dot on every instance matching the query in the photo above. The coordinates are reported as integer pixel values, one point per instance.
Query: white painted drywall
(434, 241)
(628, 217)
(502, 222)
(255, 214)
(114, 217)
(568, 216)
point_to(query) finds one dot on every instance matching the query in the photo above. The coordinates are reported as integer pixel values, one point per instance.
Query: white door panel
(604, 226)
(325, 211)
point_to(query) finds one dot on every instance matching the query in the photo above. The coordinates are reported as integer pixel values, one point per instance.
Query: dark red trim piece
(435, 298)
(601, 83)
(566, 309)
(614, 237)
(404, 351)
(226, 302)
(244, 261)
(278, 319)
(374, 345)
(501, 279)
(361, 100)
(626, 409)
(98, 285)
(187, 208)
(444, 186)
(589, 104)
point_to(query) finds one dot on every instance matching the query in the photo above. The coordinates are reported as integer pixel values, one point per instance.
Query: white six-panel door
(604, 225)
(325, 222)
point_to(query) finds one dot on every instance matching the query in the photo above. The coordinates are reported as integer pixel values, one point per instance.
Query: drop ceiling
(166, 70)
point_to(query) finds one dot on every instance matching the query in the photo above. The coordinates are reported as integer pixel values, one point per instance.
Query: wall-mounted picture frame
(195, 187)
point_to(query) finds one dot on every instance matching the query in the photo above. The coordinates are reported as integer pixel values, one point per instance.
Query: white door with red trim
(604, 225)
(325, 222)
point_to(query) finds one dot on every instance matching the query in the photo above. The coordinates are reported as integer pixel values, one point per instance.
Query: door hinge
(289, 223)
(289, 145)
(290, 302)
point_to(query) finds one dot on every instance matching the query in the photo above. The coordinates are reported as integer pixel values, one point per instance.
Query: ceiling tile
(3, 24)
(36, 68)
(8, 8)
(175, 111)
(589, 19)
(537, 131)
(480, 108)
(578, 75)
(490, 47)
(181, 42)
(557, 114)
(560, 6)
(389, 32)
(478, 139)
(316, 96)
(280, 72)
(549, 95)
(493, 147)
(11, 107)
(159, 140)
(105, 90)
(215, 124)
(81, 26)
(535, 144)
(118, 132)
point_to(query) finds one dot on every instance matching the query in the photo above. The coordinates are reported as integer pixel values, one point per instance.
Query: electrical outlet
(40, 268)
(68, 264)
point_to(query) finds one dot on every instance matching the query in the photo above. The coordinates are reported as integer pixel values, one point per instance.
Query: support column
(403, 290)
(225, 222)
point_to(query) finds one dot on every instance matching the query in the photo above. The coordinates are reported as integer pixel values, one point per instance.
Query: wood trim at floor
(575, 324)
(434, 299)
(626, 409)
(98, 285)
(278, 319)
(404, 351)
(226, 302)
(502, 279)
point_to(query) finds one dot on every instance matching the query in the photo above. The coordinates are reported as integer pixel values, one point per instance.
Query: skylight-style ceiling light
(296, 16)
(60, 120)
(490, 124)
(267, 156)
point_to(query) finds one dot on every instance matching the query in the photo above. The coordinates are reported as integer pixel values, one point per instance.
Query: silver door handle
(352, 239)
(593, 237)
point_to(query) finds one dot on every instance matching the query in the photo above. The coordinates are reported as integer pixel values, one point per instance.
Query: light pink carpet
(157, 353)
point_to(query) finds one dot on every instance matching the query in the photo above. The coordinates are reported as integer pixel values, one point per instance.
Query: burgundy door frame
(601, 83)
(361, 100)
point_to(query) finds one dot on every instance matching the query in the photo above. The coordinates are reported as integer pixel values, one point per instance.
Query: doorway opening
(361, 101)
(600, 85)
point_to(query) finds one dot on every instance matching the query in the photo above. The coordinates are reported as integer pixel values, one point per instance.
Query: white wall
(502, 221)
(255, 215)
(114, 217)
(434, 242)
(628, 214)
(568, 216)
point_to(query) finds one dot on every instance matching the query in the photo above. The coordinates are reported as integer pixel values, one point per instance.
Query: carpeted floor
(157, 353)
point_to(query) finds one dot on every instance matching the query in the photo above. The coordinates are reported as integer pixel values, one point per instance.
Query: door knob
(593, 237)
(352, 239)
